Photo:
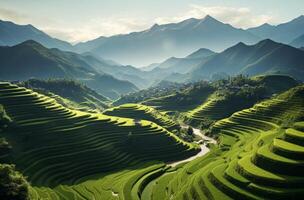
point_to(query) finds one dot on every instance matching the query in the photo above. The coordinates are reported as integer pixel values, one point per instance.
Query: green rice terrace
(137, 111)
(129, 152)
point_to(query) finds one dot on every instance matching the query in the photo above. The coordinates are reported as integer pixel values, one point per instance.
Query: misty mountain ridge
(265, 57)
(30, 59)
(159, 42)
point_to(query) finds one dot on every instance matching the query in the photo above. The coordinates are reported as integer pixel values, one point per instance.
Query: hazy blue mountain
(285, 32)
(123, 72)
(149, 67)
(177, 69)
(12, 34)
(265, 57)
(89, 45)
(298, 42)
(184, 65)
(201, 53)
(164, 41)
(32, 60)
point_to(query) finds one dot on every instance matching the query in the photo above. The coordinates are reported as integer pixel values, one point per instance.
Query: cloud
(86, 30)
(239, 17)
(11, 15)
(95, 28)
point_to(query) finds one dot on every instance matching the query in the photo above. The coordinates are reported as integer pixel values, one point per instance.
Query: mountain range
(91, 62)
(285, 32)
(265, 57)
(12, 34)
(161, 41)
(30, 59)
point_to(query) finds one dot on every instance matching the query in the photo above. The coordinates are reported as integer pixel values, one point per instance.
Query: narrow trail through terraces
(203, 145)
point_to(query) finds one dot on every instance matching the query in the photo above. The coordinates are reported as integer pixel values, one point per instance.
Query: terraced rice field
(212, 109)
(260, 156)
(75, 155)
(142, 112)
(215, 109)
(60, 149)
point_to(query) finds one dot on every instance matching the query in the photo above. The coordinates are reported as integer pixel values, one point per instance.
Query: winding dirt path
(204, 148)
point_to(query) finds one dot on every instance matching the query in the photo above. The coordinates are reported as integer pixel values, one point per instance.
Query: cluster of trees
(160, 90)
(185, 133)
(13, 185)
(240, 88)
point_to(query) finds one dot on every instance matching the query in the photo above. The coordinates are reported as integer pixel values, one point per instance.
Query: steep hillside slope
(54, 145)
(32, 60)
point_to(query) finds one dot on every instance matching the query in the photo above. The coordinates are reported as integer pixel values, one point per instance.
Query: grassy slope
(53, 145)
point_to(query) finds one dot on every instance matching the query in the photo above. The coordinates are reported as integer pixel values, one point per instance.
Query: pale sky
(82, 20)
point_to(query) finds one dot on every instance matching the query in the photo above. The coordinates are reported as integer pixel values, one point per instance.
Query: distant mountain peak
(267, 42)
(155, 26)
(30, 43)
(300, 18)
(266, 25)
(209, 17)
(240, 44)
(201, 53)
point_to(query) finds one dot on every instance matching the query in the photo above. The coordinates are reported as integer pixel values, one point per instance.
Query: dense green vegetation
(12, 184)
(163, 88)
(80, 95)
(186, 99)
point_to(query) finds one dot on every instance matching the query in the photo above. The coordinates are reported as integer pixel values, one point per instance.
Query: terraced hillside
(70, 93)
(57, 147)
(239, 94)
(184, 100)
(260, 156)
(142, 112)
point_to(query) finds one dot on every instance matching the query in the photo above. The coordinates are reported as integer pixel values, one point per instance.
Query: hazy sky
(81, 20)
